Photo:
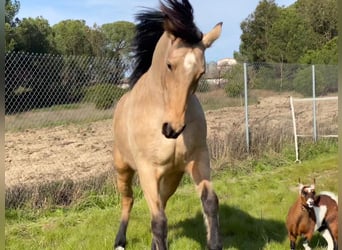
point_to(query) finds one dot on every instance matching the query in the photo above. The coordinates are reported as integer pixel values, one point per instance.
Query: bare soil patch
(80, 151)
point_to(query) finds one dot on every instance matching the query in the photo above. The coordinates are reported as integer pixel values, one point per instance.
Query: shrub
(235, 84)
(103, 95)
(234, 89)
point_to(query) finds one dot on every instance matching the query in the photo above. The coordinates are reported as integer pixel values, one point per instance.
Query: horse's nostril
(166, 129)
(169, 132)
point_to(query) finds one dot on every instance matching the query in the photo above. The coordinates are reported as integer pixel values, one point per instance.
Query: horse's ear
(212, 35)
(171, 36)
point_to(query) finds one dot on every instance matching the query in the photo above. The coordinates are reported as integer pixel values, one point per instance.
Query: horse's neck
(158, 65)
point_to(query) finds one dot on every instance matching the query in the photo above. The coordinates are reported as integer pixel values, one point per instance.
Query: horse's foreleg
(124, 178)
(210, 206)
(124, 181)
(200, 172)
(159, 230)
(150, 186)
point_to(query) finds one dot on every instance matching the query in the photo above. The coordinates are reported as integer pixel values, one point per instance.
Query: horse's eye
(169, 66)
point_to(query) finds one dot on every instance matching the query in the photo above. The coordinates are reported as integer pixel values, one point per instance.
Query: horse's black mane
(151, 25)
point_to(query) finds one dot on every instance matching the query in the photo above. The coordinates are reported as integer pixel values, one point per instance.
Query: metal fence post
(294, 129)
(314, 103)
(246, 105)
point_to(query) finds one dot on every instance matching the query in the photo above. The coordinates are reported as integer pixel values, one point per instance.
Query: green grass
(253, 207)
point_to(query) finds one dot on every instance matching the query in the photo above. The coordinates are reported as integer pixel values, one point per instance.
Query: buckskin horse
(159, 125)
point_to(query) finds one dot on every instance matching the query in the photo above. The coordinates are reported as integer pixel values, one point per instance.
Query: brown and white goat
(312, 213)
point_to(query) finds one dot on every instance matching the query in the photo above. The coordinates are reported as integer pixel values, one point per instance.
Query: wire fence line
(45, 90)
(42, 80)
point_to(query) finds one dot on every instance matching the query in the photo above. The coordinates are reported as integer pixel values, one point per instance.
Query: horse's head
(182, 63)
(307, 194)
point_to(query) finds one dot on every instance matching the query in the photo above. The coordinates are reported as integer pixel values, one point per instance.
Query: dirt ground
(79, 151)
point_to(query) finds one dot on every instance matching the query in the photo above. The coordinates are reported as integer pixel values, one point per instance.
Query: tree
(325, 55)
(290, 37)
(33, 35)
(97, 41)
(71, 37)
(321, 16)
(285, 35)
(11, 10)
(256, 29)
(118, 37)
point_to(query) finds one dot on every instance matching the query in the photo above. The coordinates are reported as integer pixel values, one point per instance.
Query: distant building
(225, 63)
(216, 70)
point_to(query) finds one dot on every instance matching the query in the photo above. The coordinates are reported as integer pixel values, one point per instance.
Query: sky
(207, 14)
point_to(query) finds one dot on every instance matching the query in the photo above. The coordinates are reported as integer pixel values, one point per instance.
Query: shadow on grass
(238, 229)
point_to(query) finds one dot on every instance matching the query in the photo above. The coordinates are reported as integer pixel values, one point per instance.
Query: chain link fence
(265, 122)
(43, 89)
(46, 90)
(247, 111)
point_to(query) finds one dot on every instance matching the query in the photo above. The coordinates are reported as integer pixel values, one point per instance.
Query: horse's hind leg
(200, 172)
(168, 186)
(124, 176)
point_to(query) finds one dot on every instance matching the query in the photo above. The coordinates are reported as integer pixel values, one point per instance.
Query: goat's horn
(300, 188)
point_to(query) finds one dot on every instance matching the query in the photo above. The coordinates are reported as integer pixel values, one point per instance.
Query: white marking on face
(310, 202)
(189, 61)
(320, 213)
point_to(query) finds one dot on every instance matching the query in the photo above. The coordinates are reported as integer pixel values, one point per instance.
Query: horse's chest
(170, 153)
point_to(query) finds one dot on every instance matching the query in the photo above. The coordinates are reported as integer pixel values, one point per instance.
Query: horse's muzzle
(169, 132)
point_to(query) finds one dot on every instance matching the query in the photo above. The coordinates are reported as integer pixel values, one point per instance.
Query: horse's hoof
(119, 248)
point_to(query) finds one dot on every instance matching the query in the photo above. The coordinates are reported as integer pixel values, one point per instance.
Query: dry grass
(57, 115)
(270, 132)
(47, 195)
